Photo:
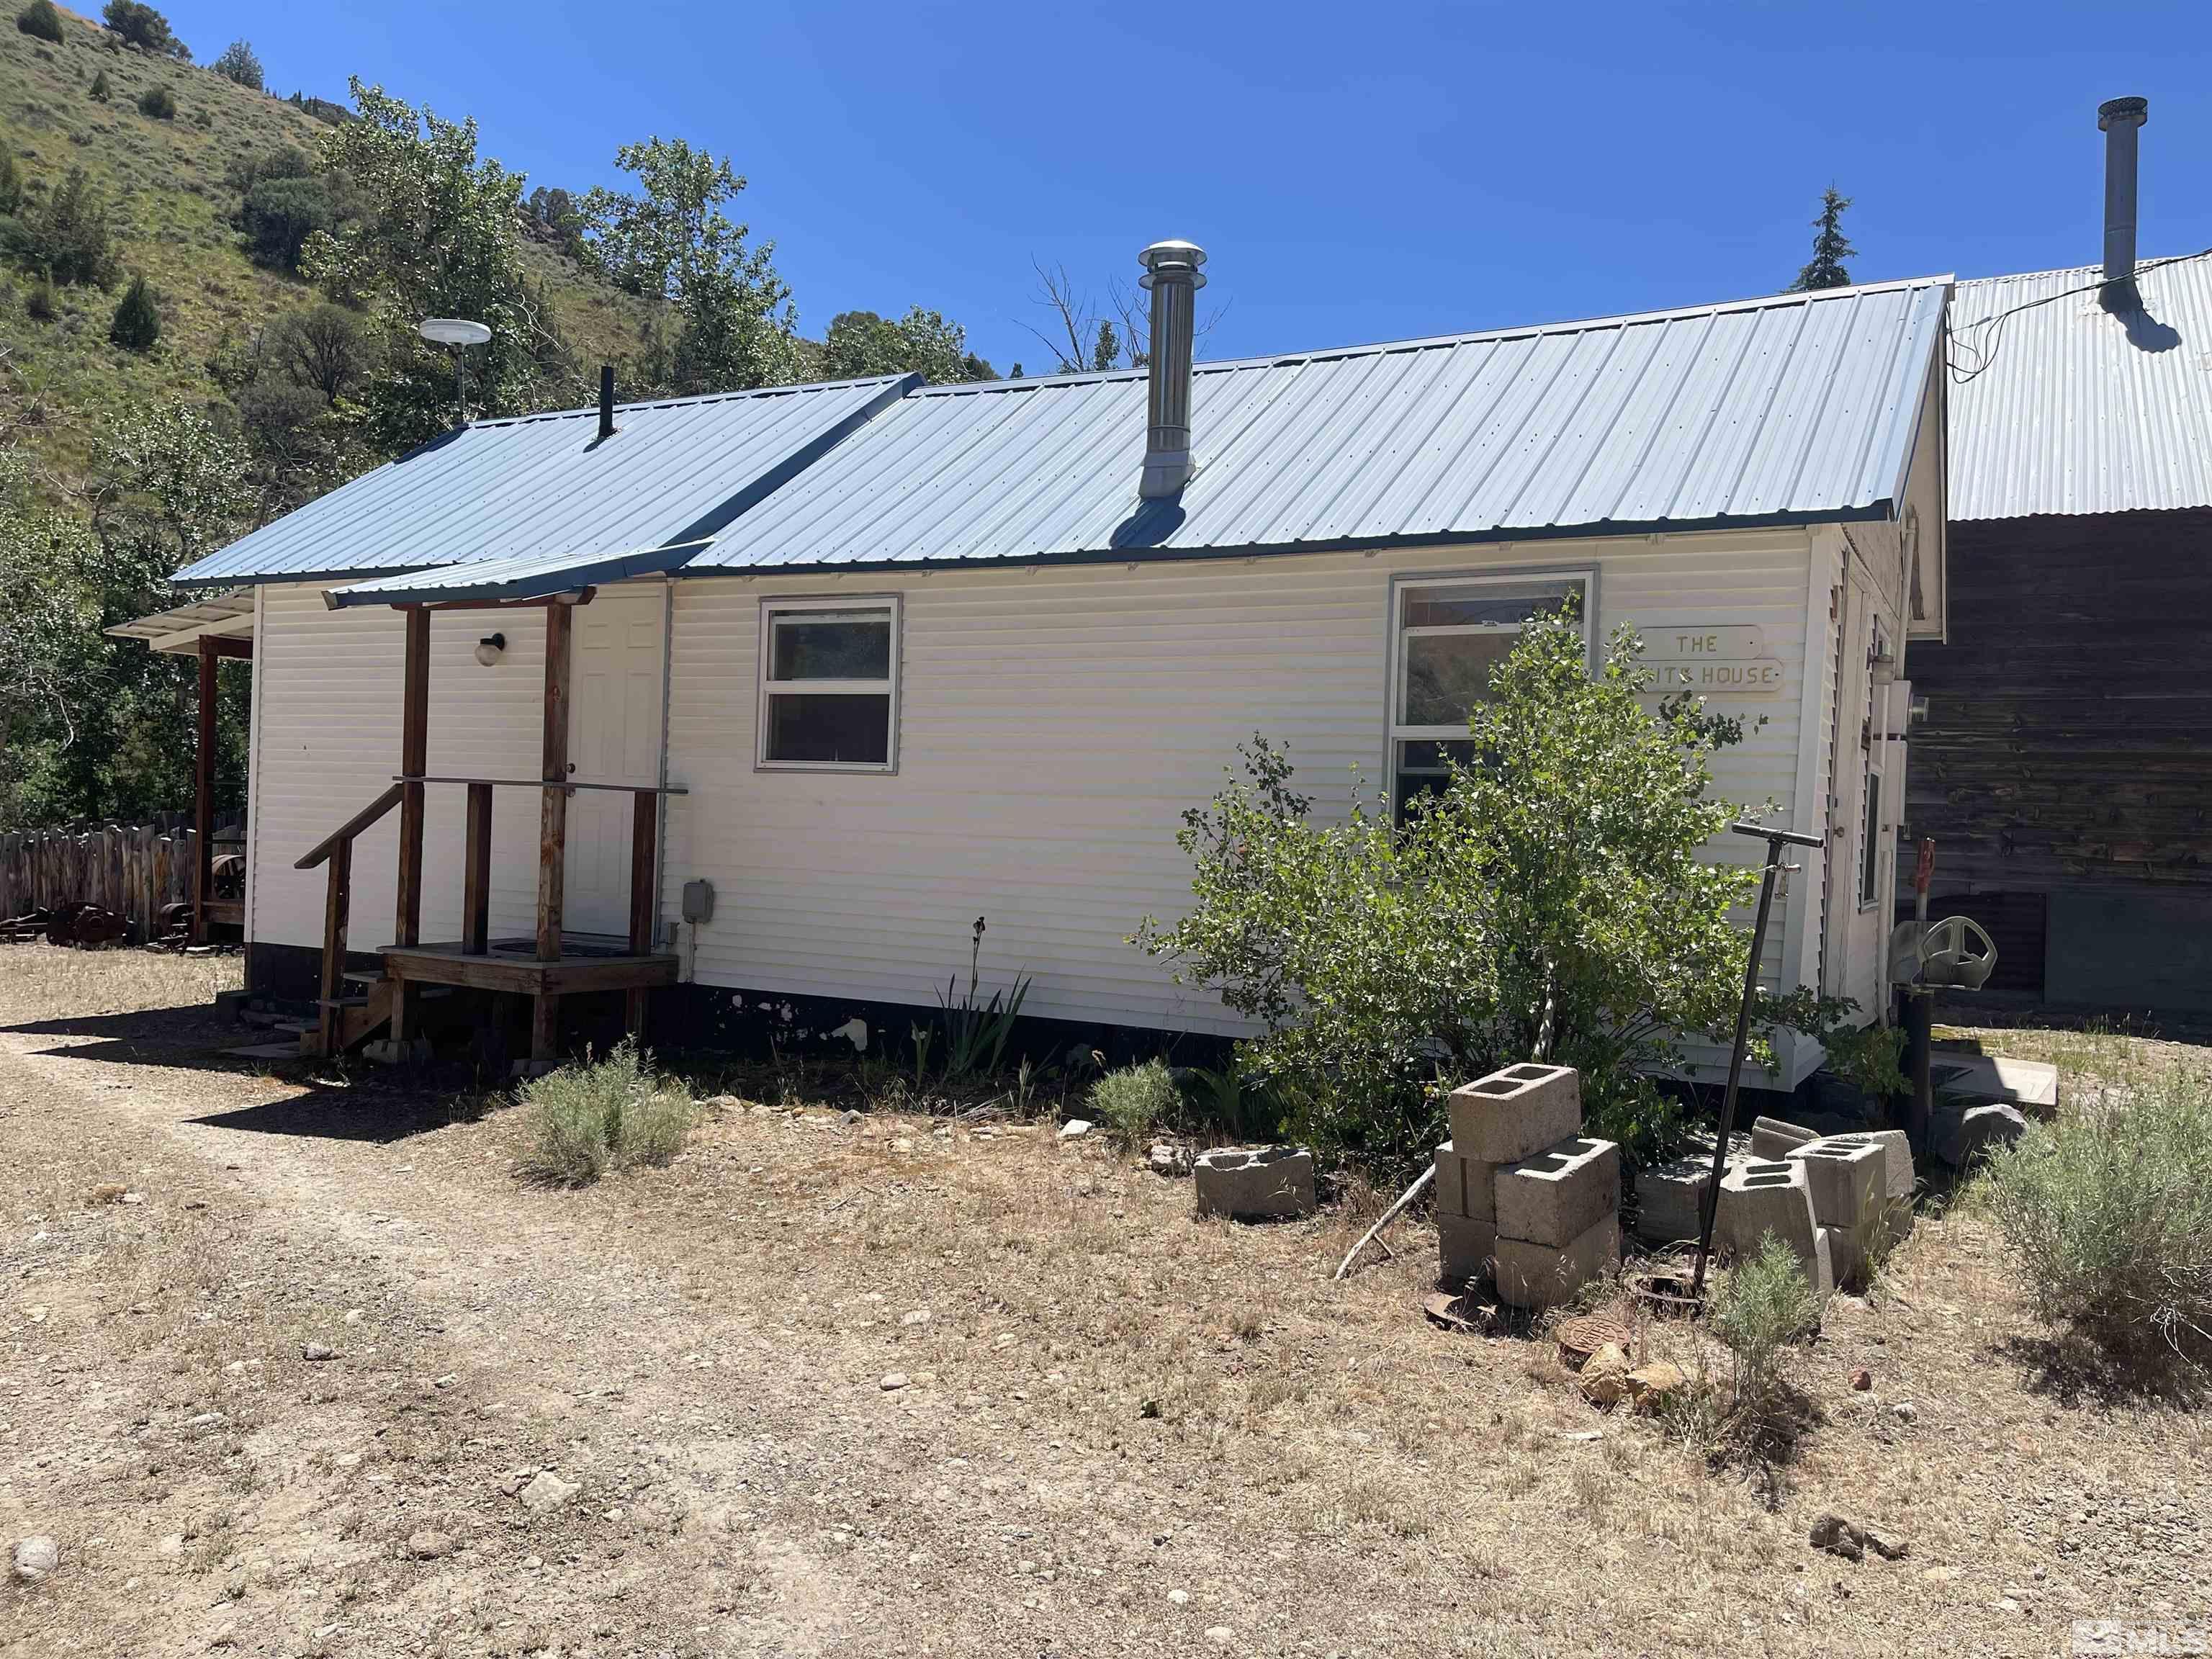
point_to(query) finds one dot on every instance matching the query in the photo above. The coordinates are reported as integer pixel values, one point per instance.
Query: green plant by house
(593, 1115)
(138, 322)
(2109, 1211)
(1868, 1059)
(975, 1031)
(40, 21)
(1550, 903)
(1136, 1101)
(159, 102)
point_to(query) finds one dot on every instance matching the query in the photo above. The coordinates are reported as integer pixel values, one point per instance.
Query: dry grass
(1130, 1400)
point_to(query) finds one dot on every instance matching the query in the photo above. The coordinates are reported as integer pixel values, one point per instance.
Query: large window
(828, 692)
(1447, 634)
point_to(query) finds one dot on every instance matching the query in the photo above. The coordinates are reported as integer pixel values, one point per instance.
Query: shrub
(1765, 1304)
(138, 322)
(38, 303)
(136, 24)
(159, 102)
(2109, 1209)
(40, 19)
(591, 1117)
(280, 213)
(65, 237)
(239, 64)
(98, 91)
(1868, 1059)
(1550, 903)
(1136, 1100)
(11, 186)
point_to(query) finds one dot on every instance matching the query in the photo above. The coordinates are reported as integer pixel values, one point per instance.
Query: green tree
(1549, 905)
(40, 21)
(239, 64)
(1830, 249)
(159, 102)
(437, 235)
(65, 236)
(323, 349)
(136, 24)
(671, 241)
(98, 91)
(861, 343)
(11, 186)
(280, 214)
(138, 322)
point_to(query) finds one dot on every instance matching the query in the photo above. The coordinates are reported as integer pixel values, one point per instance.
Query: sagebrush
(2109, 1209)
(1136, 1100)
(594, 1115)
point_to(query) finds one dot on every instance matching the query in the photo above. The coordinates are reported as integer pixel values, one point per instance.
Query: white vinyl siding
(1056, 723)
(327, 744)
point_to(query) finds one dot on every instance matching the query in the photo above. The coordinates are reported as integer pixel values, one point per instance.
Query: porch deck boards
(588, 962)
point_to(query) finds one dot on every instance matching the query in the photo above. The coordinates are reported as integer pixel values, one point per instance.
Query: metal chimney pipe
(1173, 278)
(2118, 119)
(606, 401)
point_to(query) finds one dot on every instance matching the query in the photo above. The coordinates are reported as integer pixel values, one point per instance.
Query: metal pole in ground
(1709, 1207)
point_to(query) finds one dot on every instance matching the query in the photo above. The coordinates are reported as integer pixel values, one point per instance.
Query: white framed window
(1447, 634)
(828, 684)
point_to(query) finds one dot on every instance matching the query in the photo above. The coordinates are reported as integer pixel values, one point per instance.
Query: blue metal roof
(531, 577)
(1791, 409)
(2059, 406)
(544, 484)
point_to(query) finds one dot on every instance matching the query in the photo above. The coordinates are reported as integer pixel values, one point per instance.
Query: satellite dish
(453, 331)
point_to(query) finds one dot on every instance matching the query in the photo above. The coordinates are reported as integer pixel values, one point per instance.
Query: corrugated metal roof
(2059, 406)
(542, 484)
(1795, 408)
(532, 577)
(180, 627)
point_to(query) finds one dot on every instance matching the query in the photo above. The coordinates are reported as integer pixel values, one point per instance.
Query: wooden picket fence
(133, 869)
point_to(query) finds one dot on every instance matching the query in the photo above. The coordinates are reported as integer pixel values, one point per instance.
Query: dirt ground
(1121, 1430)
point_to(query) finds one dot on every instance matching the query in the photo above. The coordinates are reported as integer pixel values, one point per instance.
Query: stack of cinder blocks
(1833, 1199)
(1522, 1191)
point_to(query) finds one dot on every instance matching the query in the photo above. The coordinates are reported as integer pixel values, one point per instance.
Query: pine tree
(100, 87)
(137, 325)
(1830, 249)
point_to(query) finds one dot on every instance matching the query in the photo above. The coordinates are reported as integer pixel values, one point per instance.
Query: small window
(829, 683)
(1870, 844)
(1449, 633)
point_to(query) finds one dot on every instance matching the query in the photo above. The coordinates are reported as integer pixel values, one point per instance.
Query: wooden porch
(552, 962)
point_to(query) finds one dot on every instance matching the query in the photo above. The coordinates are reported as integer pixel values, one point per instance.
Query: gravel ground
(653, 1416)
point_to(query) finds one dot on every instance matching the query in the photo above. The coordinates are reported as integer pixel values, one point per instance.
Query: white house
(912, 655)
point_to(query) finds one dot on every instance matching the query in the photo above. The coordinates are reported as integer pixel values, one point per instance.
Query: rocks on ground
(36, 1558)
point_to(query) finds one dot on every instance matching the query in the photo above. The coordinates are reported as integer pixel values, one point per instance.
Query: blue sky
(1355, 173)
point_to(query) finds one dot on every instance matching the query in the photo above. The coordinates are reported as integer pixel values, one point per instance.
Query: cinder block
(1846, 1259)
(1847, 1176)
(1264, 1183)
(1765, 1197)
(1667, 1198)
(1464, 1185)
(1898, 1177)
(1516, 1113)
(1465, 1245)
(1539, 1276)
(1554, 1197)
(1771, 1138)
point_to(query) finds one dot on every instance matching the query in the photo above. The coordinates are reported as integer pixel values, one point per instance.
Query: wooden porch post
(552, 824)
(476, 873)
(203, 795)
(414, 762)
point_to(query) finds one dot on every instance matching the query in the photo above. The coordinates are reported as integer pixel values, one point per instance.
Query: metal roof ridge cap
(735, 395)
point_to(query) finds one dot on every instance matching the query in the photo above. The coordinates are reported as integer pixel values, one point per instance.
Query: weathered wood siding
(2065, 771)
(2068, 742)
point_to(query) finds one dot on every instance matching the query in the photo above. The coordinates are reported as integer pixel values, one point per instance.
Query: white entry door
(613, 737)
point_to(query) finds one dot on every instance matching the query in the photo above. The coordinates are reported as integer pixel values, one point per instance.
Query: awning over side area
(227, 616)
(535, 576)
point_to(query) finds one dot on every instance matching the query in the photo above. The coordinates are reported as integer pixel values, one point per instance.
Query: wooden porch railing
(337, 849)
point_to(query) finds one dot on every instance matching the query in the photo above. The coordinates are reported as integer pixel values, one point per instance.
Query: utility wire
(1985, 349)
